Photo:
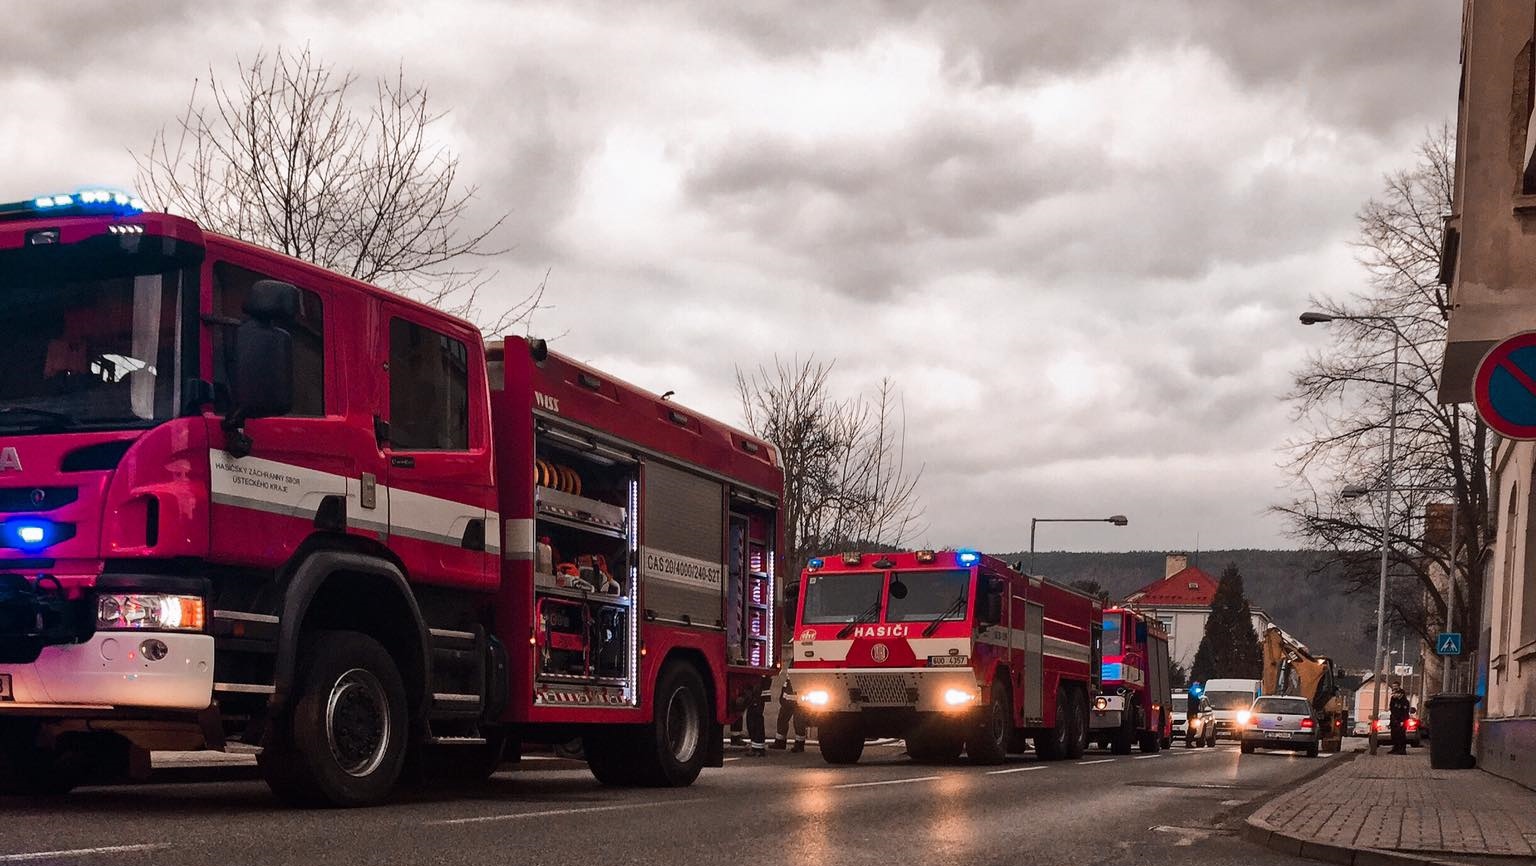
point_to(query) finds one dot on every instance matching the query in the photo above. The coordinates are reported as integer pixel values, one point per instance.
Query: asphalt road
(782, 809)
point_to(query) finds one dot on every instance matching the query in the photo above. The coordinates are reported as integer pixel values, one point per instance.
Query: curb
(1259, 831)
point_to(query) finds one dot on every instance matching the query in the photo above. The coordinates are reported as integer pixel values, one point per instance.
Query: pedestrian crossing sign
(1448, 643)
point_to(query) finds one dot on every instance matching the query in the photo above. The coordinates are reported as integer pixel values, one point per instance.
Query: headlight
(1243, 716)
(151, 611)
(817, 698)
(1100, 703)
(958, 697)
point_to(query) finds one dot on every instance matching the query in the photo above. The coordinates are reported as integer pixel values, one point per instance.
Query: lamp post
(1113, 519)
(1316, 318)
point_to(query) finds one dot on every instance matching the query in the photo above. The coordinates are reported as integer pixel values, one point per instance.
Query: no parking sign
(1504, 388)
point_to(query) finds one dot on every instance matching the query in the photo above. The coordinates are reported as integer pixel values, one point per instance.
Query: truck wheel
(673, 747)
(343, 740)
(988, 742)
(1052, 745)
(611, 758)
(1077, 734)
(1150, 743)
(1125, 735)
(841, 742)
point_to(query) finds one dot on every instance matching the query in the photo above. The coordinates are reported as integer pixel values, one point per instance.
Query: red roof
(1191, 587)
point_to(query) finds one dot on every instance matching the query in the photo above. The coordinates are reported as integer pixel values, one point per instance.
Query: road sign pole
(1386, 540)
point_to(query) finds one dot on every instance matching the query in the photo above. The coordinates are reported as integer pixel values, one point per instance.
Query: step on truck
(244, 499)
(1134, 705)
(949, 650)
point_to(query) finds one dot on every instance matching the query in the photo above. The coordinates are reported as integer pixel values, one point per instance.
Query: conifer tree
(1230, 647)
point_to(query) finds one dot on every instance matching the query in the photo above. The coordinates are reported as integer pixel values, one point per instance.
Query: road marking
(1144, 757)
(1099, 761)
(548, 813)
(1016, 770)
(82, 852)
(887, 782)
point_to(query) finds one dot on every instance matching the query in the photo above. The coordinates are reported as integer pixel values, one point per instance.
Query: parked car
(1413, 730)
(1205, 722)
(1278, 722)
(1360, 728)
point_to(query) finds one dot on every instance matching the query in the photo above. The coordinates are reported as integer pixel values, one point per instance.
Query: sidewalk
(1395, 809)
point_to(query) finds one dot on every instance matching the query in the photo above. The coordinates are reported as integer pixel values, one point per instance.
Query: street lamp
(1312, 317)
(1356, 491)
(1113, 519)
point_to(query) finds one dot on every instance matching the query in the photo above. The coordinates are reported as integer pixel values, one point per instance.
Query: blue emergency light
(1197, 690)
(815, 563)
(95, 201)
(32, 535)
(967, 557)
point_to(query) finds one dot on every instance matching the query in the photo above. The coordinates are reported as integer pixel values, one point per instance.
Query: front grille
(883, 689)
(23, 499)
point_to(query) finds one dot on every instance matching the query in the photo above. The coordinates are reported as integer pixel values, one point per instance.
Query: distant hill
(1314, 608)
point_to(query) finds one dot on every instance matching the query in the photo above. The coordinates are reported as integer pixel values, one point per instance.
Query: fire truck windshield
(87, 345)
(1112, 636)
(831, 598)
(930, 595)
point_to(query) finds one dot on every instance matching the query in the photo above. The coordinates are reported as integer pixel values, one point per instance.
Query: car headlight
(817, 698)
(958, 697)
(1243, 716)
(150, 611)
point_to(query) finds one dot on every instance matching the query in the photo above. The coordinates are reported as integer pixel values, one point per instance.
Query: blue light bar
(1197, 690)
(95, 201)
(967, 557)
(815, 563)
(28, 535)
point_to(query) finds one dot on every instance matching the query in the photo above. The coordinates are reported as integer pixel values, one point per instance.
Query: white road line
(1144, 757)
(1015, 770)
(887, 782)
(518, 816)
(1099, 761)
(82, 852)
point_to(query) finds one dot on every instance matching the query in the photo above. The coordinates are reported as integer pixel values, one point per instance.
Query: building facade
(1490, 266)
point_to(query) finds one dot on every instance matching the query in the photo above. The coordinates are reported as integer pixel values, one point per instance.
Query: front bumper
(1278, 739)
(852, 690)
(109, 671)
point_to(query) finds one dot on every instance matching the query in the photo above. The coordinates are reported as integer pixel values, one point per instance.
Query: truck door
(437, 443)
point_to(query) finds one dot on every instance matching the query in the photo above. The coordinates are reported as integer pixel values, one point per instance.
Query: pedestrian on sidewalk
(789, 711)
(1398, 711)
(757, 734)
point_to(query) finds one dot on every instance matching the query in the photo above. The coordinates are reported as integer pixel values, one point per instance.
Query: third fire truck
(949, 650)
(1134, 704)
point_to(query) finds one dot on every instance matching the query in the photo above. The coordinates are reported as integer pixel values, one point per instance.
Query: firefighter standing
(1192, 719)
(1398, 711)
(789, 711)
(757, 733)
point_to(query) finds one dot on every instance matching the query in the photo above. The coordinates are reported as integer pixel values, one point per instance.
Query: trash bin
(1450, 720)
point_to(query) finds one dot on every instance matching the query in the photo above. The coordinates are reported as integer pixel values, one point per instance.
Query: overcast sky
(1077, 235)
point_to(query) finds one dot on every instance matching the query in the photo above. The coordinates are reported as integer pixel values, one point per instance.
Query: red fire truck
(246, 499)
(1135, 703)
(948, 650)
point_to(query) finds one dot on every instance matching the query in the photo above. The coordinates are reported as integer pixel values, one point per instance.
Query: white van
(1228, 697)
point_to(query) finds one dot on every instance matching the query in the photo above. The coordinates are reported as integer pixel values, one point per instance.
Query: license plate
(948, 661)
(1278, 735)
(5, 688)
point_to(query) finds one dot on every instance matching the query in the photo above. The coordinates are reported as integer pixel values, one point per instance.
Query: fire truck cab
(246, 499)
(1134, 705)
(949, 650)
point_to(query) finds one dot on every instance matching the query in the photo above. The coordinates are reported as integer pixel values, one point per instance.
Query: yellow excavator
(1289, 669)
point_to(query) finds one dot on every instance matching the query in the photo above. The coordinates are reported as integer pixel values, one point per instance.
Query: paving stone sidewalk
(1397, 803)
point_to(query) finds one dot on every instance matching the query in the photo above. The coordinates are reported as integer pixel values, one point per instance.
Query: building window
(231, 285)
(1167, 621)
(428, 389)
(1507, 576)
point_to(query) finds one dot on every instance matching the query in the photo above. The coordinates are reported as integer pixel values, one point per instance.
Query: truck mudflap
(35, 614)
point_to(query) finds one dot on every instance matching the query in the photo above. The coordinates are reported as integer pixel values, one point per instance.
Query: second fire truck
(1134, 704)
(949, 650)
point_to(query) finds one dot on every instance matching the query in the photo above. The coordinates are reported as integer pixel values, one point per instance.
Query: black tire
(611, 758)
(1077, 731)
(1246, 748)
(1125, 736)
(30, 770)
(841, 742)
(1312, 750)
(343, 740)
(672, 748)
(1052, 745)
(1165, 742)
(1150, 743)
(988, 741)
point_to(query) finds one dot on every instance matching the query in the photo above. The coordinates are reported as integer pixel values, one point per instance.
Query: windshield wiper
(54, 420)
(954, 607)
(869, 613)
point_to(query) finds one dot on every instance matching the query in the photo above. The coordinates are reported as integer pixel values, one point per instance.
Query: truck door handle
(402, 462)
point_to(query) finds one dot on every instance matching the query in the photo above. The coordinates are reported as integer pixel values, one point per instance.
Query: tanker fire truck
(948, 650)
(245, 499)
(1135, 703)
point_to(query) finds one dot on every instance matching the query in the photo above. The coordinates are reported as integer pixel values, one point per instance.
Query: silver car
(1279, 722)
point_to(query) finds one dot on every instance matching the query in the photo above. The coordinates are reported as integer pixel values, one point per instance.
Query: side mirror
(991, 609)
(1141, 632)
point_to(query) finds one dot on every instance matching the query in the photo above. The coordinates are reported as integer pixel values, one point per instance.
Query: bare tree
(290, 157)
(1343, 399)
(846, 480)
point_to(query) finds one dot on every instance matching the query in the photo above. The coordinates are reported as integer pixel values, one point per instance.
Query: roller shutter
(681, 568)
